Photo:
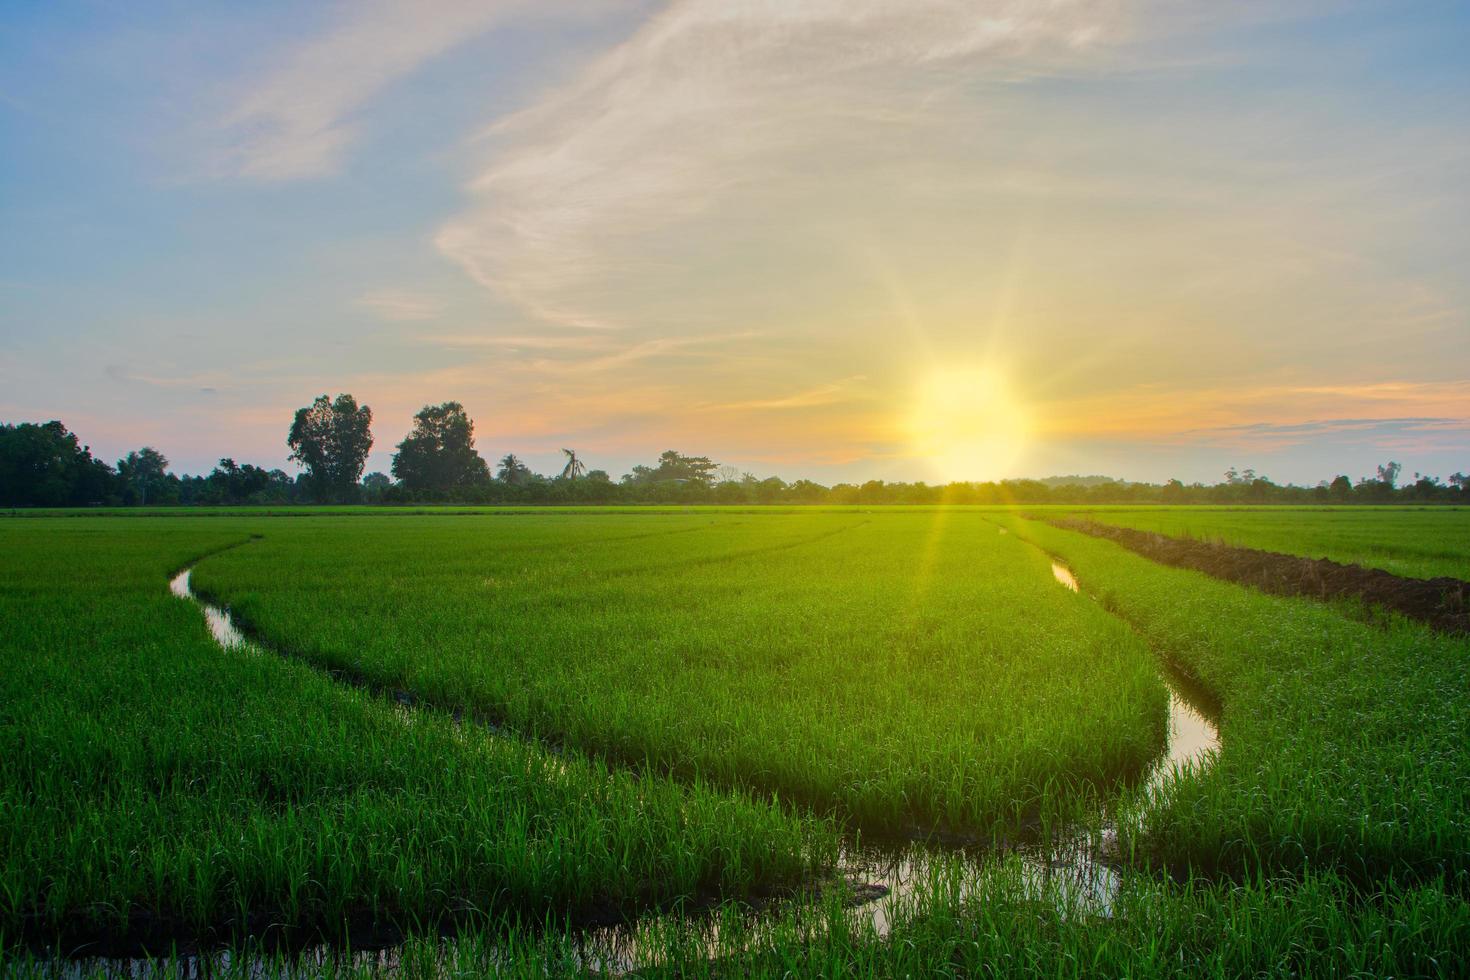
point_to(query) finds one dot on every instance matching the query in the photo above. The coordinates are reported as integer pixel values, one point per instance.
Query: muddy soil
(1443, 603)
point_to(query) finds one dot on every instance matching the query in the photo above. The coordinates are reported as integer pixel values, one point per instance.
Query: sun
(968, 424)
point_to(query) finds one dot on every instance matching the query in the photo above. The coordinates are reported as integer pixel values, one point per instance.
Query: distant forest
(46, 465)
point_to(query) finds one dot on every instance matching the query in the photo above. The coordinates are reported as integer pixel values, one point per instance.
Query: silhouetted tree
(44, 465)
(574, 468)
(1341, 489)
(675, 466)
(143, 473)
(1425, 487)
(440, 451)
(232, 483)
(1388, 474)
(332, 438)
(513, 471)
(374, 486)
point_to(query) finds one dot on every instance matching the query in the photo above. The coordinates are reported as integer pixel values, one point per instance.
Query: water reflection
(1064, 575)
(221, 626)
(1193, 737)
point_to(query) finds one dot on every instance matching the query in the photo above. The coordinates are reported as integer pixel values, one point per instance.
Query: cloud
(1423, 435)
(710, 98)
(400, 306)
(646, 350)
(578, 342)
(297, 121)
(825, 394)
(1185, 413)
(204, 382)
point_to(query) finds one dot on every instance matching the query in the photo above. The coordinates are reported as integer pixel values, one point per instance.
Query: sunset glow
(799, 238)
(969, 426)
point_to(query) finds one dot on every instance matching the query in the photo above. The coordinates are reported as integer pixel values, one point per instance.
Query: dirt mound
(1443, 603)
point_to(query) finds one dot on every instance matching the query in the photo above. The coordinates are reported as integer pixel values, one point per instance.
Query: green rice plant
(897, 666)
(156, 787)
(1344, 743)
(904, 669)
(992, 923)
(1418, 543)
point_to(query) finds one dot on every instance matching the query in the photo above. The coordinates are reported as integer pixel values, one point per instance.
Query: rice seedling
(1419, 543)
(908, 671)
(689, 697)
(155, 788)
(1343, 742)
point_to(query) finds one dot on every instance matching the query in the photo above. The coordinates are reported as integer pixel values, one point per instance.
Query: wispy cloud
(298, 120)
(473, 341)
(205, 382)
(400, 305)
(1247, 412)
(831, 393)
(705, 99)
(647, 350)
(1417, 434)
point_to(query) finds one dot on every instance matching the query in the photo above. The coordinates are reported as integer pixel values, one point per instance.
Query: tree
(374, 486)
(142, 472)
(332, 438)
(1388, 474)
(574, 468)
(1426, 487)
(232, 483)
(675, 466)
(440, 451)
(513, 471)
(1341, 489)
(44, 465)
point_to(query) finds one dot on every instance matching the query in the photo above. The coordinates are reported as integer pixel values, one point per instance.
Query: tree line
(46, 465)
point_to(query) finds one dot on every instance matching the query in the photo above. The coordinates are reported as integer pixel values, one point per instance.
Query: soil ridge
(1443, 603)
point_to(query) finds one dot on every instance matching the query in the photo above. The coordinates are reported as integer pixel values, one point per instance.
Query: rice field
(682, 741)
(1425, 542)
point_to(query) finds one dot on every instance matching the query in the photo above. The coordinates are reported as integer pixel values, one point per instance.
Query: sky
(830, 239)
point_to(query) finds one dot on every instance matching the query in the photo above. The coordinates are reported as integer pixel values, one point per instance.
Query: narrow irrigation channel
(1078, 873)
(1193, 737)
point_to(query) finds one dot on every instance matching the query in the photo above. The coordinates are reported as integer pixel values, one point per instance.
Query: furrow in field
(1443, 603)
(1343, 740)
(155, 794)
(879, 883)
(900, 678)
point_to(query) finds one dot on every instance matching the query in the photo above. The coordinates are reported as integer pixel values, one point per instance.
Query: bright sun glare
(969, 425)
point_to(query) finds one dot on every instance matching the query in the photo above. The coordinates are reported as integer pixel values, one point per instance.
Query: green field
(1421, 543)
(519, 724)
(848, 663)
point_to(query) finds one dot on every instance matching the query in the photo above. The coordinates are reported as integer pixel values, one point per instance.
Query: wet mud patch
(1443, 603)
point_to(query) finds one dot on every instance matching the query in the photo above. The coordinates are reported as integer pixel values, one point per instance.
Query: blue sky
(835, 240)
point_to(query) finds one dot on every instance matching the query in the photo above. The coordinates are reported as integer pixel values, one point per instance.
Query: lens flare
(969, 425)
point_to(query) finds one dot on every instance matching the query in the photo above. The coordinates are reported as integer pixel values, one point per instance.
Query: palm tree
(574, 468)
(512, 470)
